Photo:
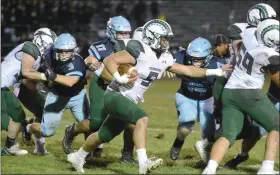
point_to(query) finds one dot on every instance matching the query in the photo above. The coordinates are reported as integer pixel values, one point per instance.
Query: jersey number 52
(247, 60)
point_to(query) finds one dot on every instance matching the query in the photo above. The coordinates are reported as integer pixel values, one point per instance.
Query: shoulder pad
(134, 47)
(31, 49)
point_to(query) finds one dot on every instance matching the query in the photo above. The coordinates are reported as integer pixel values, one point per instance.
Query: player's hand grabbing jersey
(73, 67)
(148, 65)
(11, 66)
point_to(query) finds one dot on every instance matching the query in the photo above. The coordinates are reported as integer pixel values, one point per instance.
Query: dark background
(86, 19)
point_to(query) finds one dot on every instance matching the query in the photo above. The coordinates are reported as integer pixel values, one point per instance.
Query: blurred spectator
(220, 45)
(139, 13)
(121, 10)
(154, 9)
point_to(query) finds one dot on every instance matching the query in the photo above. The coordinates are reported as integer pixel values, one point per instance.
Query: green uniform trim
(134, 47)
(10, 107)
(97, 110)
(119, 46)
(122, 112)
(31, 49)
(233, 32)
(252, 102)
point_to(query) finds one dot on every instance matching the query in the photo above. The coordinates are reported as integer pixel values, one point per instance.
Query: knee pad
(47, 132)
(184, 129)
(187, 125)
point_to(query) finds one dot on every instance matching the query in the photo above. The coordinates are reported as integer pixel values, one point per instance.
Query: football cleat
(233, 163)
(174, 153)
(127, 157)
(203, 150)
(76, 162)
(14, 150)
(150, 165)
(68, 139)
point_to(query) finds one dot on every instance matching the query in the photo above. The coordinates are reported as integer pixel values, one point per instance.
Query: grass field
(159, 104)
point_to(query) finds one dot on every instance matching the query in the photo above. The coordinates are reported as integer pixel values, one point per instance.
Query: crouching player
(66, 70)
(194, 99)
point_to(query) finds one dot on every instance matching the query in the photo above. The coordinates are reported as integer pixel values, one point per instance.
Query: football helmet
(267, 33)
(138, 34)
(43, 37)
(117, 24)
(200, 50)
(65, 47)
(260, 12)
(235, 31)
(156, 34)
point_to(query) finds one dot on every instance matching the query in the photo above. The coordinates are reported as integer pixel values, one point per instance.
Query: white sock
(142, 156)
(28, 128)
(212, 164)
(100, 146)
(81, 153)
(205, 142)
(267, 165)
(40, 143)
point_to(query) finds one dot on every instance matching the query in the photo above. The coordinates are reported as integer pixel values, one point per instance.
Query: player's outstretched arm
(196, 72)
(66, 80)
(27, 70)
(112, 62)
(105, 75)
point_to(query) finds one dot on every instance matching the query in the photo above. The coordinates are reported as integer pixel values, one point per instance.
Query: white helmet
(138, 34)
(153, 32)
(260, 12)
(268, 33)
(43, 37)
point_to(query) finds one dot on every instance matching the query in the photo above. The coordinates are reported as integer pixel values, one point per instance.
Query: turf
(159, 104)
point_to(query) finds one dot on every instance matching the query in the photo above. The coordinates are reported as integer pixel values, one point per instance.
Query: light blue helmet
(65, 43)
(200, 50)
(117, 24)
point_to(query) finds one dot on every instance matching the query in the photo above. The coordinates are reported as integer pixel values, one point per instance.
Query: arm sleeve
(93, 52)
(31, 49)
(134, 47)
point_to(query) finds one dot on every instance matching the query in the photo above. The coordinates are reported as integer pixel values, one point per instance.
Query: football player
(243, 94)
(21, 62)
(118, 27)
(251, 131)
(150, 58)
(65, 70)
(194, 99)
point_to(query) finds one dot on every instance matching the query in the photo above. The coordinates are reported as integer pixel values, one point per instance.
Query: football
(127, 69)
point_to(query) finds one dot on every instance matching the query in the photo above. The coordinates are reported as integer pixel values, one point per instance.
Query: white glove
(169, 74)
(120, 79)
(216, 72)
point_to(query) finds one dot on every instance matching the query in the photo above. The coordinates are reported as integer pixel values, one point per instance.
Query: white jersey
(11, 66)
(249, 39)
(234, 49)
(149, 68)
(248, 72)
